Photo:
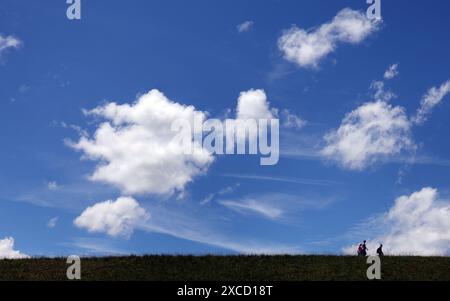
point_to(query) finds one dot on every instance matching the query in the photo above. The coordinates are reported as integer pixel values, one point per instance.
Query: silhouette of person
(364, 249)
(360, 250)
(380, 251)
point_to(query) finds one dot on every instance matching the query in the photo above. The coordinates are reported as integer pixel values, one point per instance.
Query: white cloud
(378, 130)
(371, 132)
(246, 26)
(8, 42)
(253, 206)
(53, 185)
(417, 224)
(432, 98)
(292, 121)
(307, 48)
(136, 147)
(380, 93)
(52, 222)
(391, 72)
(116, 218)
(253, 104)
(7, 250)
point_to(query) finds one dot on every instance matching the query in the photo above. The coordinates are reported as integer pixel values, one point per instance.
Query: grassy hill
(228, 268)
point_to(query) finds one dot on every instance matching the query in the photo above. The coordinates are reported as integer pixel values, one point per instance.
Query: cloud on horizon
(417, 224)
(7, 250)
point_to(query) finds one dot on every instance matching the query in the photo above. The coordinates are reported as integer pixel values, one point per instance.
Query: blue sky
(313, 201)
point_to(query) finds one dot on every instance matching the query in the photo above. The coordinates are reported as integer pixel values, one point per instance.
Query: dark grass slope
(229, 268)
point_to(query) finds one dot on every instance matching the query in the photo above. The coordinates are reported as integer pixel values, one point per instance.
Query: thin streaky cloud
(95, 246)
(302, 181)
(253, 206)
(413, 159)
(180, 230)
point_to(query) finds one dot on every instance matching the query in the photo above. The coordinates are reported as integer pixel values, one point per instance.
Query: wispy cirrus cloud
(95, 246)
(301, 181)
(186, 225)
(254, 206)
(280, 207)
(180, 222)
(224, 191)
